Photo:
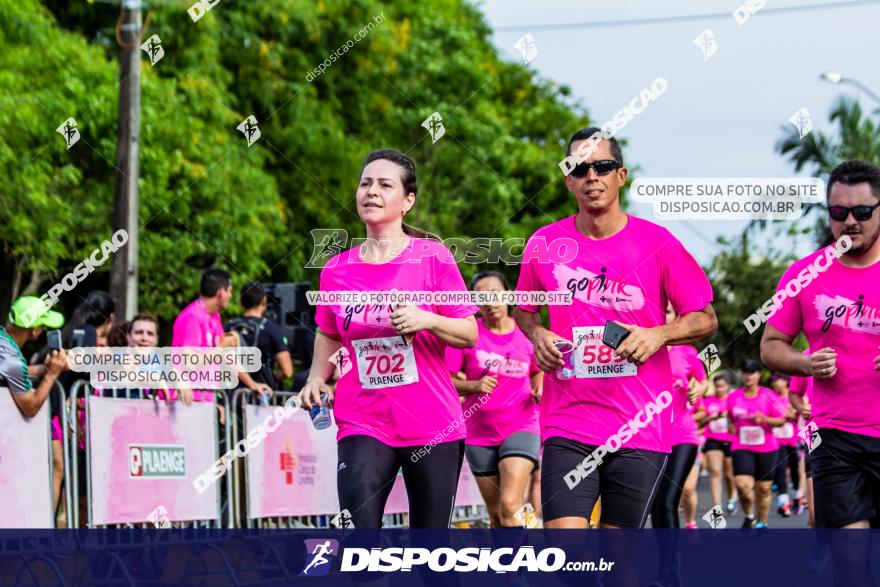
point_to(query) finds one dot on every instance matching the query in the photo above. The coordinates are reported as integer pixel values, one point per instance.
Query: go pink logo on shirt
(597, 289)
(496, 364)
(853, 315)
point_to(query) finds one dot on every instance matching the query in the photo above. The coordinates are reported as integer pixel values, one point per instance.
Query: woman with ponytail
(394, 403)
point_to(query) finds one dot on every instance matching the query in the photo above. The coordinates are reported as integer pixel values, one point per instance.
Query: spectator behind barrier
(28, 316)
(92, 320)
(255, 330)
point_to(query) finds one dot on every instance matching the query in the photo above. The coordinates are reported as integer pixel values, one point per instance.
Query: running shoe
(818, 558)
(784, 510)
(731, 506)
(691, 525)
(760, 526)
(748, 522)
(800, 506)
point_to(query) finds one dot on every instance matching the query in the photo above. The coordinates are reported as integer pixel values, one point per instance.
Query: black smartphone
(614, 334)
(78, 338)
(53, 338)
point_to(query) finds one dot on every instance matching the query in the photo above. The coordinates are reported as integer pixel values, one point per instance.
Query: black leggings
(367, 469)
(664, 513)
(788, 459)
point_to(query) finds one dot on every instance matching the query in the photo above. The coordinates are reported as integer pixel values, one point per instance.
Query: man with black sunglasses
(605, 428)
(839, 313)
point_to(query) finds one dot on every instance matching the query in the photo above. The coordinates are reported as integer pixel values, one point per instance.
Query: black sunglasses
(603, 167)
(860, 213)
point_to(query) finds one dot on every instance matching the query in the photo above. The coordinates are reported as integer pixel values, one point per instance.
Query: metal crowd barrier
(236, 482)
(82, 389)
(233, 504)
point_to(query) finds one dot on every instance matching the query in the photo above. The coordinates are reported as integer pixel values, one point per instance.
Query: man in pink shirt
(199, 325)
(603, 420)
(839, 313)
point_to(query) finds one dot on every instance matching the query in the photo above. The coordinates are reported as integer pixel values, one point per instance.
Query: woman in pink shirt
(716, 429)
(501, 384)
(755, 411)
(395, 405)
(789, 460)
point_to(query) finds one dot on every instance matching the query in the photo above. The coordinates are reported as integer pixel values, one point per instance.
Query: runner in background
(754, 411)
(716, 450)
(839, 313)
(395, 405)
(500, 384)
(688, 385)
(789, 461)
(800, 390)
(689, 502)
(622, 268)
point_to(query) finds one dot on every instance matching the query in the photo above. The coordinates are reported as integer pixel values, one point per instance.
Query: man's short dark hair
(855, 172)
(585, 133)
(252, 295)
(213, 280)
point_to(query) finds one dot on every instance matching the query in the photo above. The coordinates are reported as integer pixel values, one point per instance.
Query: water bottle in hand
(320, 415)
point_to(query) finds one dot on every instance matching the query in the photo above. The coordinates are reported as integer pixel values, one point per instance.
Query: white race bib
(784, 431)
(593, 358)
(385, 362)
(718, 426)
(751, 435)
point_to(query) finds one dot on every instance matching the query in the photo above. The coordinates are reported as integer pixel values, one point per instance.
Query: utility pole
(124, 277)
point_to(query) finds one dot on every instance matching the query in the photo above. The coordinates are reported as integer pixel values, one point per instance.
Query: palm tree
(857, 137)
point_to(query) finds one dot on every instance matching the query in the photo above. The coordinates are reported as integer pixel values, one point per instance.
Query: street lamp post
(834, 77)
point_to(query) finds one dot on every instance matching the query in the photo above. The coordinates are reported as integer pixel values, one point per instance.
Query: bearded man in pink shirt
(604, 423)
(838, 310)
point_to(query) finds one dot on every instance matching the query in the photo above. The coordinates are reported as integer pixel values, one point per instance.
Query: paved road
(704, 502)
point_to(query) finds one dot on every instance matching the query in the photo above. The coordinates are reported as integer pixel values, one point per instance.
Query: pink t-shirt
(750, 435)
(399, 394)
(627, 277)
(716, 429)
(510, 407)
(684, 363)
(787, 433)
(194, 327)
(840, 309)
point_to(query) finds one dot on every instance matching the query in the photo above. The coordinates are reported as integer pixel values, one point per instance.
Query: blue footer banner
(482, 558)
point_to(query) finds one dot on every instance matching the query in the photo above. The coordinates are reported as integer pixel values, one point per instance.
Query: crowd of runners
(598, 412)
(617, 429)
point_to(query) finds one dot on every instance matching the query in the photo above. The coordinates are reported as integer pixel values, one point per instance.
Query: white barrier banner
(293, 471)
(146, 454)
(25, 474)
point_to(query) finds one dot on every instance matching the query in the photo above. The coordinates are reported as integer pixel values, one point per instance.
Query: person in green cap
(27, 319)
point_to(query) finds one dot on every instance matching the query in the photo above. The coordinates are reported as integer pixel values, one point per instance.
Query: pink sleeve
(454, 359)
(324, 316)
(698, 370)
(684, 281)
(787, 318)
(533, 366)
(798, 385)
(529, 280)
(447, 277)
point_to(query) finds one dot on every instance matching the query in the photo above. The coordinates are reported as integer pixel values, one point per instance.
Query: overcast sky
(718, 118)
